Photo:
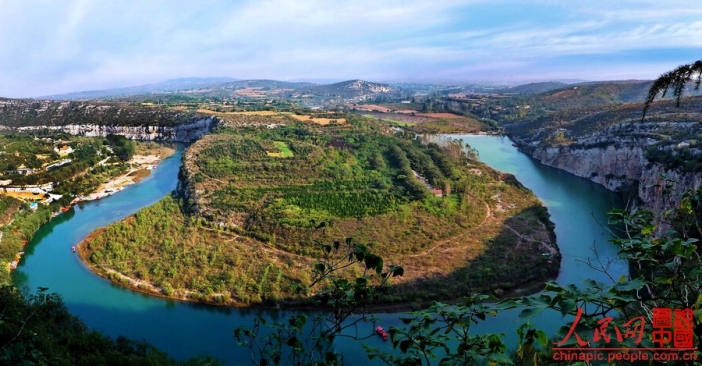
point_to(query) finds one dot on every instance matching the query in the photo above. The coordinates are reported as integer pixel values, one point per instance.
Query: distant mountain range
(552, 95)
(354, 89)
(534, 88)
(226, 88)
(163, 87)
(591, 93)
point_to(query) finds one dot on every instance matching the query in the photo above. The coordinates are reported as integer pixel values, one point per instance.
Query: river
(185, 329)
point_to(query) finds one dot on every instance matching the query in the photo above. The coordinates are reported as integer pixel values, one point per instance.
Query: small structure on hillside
(63, 150)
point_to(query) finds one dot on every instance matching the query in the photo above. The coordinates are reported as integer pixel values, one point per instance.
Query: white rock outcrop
(187, 132)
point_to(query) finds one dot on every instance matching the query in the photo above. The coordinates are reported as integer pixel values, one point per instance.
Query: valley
(253, 219)
(266, 184)
(267, 179)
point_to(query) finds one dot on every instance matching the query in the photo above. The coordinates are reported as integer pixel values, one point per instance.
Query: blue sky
(49, 47)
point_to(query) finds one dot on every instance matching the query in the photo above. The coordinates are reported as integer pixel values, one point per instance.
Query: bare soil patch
(317, 120)
(441, 115)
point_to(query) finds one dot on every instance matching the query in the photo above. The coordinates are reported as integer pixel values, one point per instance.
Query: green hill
(258, 201)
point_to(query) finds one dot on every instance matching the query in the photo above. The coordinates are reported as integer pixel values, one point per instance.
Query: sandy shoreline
(140, 167)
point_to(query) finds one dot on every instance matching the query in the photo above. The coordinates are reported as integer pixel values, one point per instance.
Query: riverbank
(302, 304)
(185, 328)
(131, 255)
(141, 166)
(251, 238)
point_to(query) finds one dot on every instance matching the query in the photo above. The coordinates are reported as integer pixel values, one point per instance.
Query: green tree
(665, 272)
(309, 341)
(675, 80)
(36, 329)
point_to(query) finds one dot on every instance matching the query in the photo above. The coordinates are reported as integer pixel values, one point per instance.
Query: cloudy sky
(50, 47)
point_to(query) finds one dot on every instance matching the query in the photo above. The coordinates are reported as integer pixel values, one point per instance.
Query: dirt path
(487, 215)
(542, 245)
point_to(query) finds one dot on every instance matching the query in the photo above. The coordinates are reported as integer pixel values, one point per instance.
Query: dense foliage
(18, 232)
(78, 173)
(666, 272)
(36, 329)
(123, 147)
(253, 216)
(188, 259)
(75, 174)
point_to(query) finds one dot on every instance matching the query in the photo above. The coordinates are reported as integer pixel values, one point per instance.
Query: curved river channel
(184, 329)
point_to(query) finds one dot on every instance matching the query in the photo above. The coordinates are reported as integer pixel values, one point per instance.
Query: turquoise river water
(184, 329)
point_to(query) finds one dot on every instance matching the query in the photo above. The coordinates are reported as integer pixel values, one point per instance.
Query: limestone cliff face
(651, 183)
(186, 189)
(617, 167)
(615, 156)
(186, 132)
(613, 167)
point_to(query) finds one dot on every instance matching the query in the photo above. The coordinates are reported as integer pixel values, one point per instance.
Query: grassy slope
(255, 232)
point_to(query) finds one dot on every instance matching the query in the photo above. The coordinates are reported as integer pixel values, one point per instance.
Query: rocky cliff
(29, 112)
(186, 132)
(613, 167)
(621, 168)
(619, 158)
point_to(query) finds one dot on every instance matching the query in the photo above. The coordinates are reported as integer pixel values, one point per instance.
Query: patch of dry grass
(23, 195)
(317, 120)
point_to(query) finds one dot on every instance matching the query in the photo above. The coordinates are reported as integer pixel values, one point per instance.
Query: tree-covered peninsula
(256, 201)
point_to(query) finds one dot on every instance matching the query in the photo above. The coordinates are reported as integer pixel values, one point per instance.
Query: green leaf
(592, 283)
(371, 261)
(530, 312)
(319, 267)
(542, 338)
(397, 270)
(630, 285)
(567, 306)
(500, 358)
(379, 266)
(552, 287)
(405, 345)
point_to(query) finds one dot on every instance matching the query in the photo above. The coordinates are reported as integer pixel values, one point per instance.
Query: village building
(63, 150)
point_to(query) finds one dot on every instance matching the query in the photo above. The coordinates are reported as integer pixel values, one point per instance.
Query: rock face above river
(100, 118)
(30, 112)
(620, 168)
(187, 132)
(613, 167)
(622, 154)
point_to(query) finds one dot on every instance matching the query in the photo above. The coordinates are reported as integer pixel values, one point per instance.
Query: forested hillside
(258, 201)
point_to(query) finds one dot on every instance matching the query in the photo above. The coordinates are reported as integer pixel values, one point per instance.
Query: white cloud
(79, 44)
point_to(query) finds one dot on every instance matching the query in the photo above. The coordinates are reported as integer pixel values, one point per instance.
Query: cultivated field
(25, 196)
(317, 120)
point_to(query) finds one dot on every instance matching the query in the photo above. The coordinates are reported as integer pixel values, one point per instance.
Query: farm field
(317, 120)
